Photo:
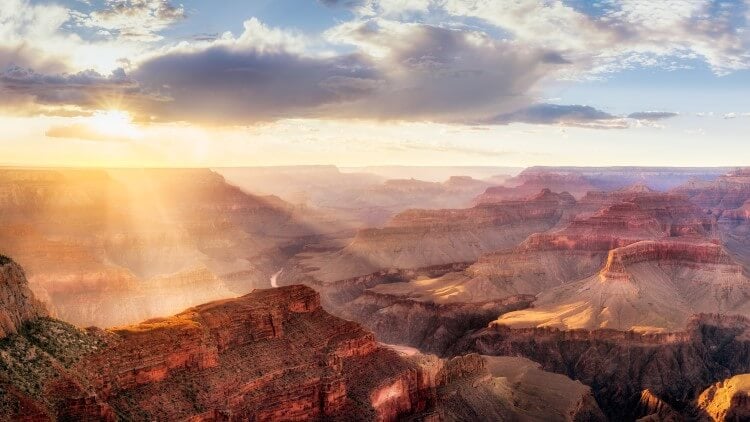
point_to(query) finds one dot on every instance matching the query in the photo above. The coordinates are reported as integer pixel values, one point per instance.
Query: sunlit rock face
(579, 249)
(403, 310)
(220, 360)
(113, 247)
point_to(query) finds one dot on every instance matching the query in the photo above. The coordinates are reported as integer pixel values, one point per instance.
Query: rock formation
(526, 185)
(727, 400)
(95, 242)
(548, 260)
(620, 365)
(270, 355)
(581, 180)
(421, 238)
(727, 192)
(474, 387)
(17, 304)
(645, 286)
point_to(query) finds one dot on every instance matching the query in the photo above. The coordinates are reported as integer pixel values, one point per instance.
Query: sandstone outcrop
(576, 251)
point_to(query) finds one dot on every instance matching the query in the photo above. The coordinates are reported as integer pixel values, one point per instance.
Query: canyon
(557, 294)
(220, 361)
(100, 246)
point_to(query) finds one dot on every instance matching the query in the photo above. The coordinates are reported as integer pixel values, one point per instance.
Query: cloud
(451, 61)
(220, 85)
(734, 115)
(67, 93)
(75, 131)
(29, 35)
(565, 115)
(625, 34)
(576, 115)
(399, 71)
(139, 20)
(652, 115)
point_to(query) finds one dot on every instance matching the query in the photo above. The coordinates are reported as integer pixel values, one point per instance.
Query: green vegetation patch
(33, 356)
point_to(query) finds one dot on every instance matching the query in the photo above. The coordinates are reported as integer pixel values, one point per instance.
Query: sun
(114, 123)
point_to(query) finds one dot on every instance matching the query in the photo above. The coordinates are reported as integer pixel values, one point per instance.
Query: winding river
(274, 277)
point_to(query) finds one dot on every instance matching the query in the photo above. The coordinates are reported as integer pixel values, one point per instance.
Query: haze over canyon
(551, 294)
(374, 210)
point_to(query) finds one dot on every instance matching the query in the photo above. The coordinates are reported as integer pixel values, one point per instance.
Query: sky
(372, 82)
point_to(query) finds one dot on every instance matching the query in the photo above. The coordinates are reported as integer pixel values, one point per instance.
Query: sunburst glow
(114, 123)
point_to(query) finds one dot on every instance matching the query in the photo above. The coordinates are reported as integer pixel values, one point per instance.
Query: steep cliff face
(620, 365)
(734, 226)
(432, 327)
(17, 304)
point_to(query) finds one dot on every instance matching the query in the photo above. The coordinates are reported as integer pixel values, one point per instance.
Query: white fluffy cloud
(140, 20)
(626, 33)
